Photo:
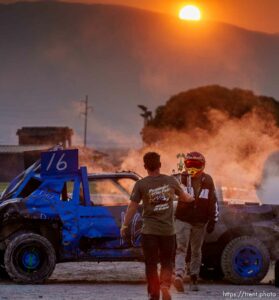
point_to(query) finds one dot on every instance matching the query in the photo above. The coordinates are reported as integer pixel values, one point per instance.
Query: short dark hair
(151, 161)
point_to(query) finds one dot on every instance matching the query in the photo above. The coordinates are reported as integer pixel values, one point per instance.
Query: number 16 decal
(59, 162)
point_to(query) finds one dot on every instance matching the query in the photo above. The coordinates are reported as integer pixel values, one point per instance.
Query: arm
(213, 209)
(182, 195)
(185, 197)
(131, 210)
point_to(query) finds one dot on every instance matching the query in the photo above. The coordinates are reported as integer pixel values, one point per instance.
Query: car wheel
(245, 260)
(29, 258)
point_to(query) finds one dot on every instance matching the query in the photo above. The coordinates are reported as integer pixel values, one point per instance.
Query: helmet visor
(189, 163)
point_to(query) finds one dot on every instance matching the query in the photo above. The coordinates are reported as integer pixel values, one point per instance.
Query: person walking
(194, 219)
(157, 192)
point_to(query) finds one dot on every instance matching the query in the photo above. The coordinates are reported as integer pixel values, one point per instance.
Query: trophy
(180, 166)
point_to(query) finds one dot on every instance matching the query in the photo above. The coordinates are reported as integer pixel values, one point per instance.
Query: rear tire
(245, 260)
(29, 258)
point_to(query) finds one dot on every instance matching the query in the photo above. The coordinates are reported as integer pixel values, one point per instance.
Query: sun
(190, 12)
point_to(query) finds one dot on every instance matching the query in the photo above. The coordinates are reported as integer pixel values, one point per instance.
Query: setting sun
(190, 12)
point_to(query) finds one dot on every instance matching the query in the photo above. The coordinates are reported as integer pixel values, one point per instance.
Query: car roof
(114, 175)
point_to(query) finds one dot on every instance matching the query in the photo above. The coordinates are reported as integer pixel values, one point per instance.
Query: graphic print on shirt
(160, 197)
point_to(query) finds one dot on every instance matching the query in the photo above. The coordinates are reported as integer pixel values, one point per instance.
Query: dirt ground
(115, 281)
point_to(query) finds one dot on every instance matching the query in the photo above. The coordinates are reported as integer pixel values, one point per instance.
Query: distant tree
(190, 109)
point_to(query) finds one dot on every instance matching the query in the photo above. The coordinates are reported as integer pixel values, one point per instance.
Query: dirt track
(115, 281)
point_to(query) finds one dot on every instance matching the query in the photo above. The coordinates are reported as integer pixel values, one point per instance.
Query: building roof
(20, 149)
(44, 130)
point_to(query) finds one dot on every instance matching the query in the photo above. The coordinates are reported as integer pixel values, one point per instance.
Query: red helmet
(194, 163)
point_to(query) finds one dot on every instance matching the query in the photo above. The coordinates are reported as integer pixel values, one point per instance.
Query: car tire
(245, 260)
(29, 258)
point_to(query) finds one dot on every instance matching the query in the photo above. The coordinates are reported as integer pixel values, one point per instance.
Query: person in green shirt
(157, 192)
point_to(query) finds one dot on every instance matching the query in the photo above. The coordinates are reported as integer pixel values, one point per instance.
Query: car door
(101, 219)
(114, 194)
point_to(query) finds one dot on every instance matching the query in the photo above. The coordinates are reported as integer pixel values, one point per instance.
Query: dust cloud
(235, 151)
(268, 189)
(95, 161)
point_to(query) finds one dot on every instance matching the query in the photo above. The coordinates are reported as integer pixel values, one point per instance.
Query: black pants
(158, 248)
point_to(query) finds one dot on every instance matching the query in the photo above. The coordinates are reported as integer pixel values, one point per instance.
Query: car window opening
(107, 192)
(67, 191)
(30, 187)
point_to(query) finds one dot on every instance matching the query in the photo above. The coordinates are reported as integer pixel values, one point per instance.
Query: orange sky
(260, 15)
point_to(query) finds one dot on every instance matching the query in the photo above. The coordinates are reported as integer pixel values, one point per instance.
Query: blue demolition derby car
(55, 212)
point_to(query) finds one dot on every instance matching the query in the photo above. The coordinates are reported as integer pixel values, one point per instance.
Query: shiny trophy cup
(180, 166)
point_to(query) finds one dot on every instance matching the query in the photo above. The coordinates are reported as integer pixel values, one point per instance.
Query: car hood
(9, 201)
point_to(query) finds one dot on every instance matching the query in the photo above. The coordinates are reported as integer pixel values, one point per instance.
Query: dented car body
(61, 208)
(55, 212)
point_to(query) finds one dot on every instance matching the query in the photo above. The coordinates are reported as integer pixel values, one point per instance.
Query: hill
(52, 54)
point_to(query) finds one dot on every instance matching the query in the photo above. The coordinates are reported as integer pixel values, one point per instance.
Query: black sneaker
(165, 293)
(179, 284)
(194, 283)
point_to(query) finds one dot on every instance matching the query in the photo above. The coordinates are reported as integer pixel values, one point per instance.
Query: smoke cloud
(235, 151)
(268, 189)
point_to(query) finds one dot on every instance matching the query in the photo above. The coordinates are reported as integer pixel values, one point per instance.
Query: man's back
(157, 194)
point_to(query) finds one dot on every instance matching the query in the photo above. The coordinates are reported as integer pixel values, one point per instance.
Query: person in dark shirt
(194, 219)
(157, 192)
